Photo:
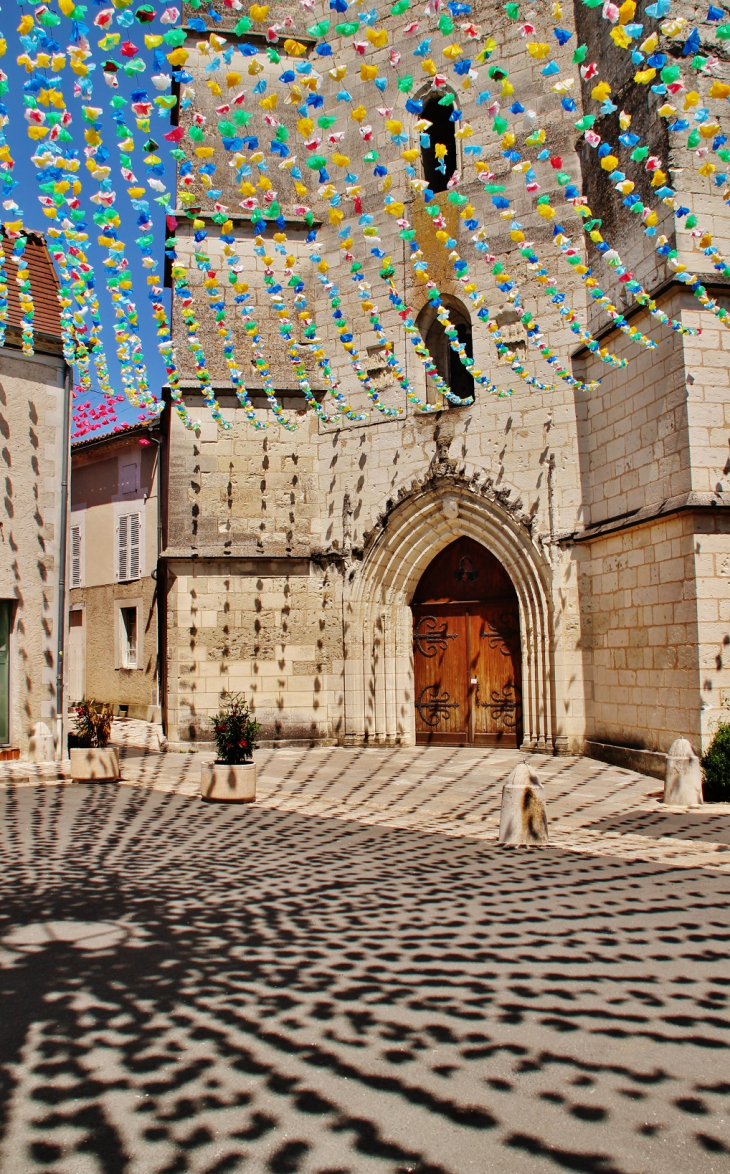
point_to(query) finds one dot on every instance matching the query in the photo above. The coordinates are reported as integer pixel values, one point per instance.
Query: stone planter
(94, 763)
(220, 783)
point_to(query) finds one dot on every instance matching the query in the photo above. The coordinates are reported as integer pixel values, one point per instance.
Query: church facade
(546, 568)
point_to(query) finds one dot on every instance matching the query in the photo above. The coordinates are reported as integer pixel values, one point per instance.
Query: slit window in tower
(437, 172)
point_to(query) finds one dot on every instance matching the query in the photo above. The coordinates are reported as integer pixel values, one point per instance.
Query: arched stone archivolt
(379, 701)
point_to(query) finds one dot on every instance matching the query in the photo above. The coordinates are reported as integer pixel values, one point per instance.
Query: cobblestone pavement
(350, 976)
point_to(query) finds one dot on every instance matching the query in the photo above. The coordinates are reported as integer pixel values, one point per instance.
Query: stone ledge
(263, 744)
(35, 772)
(645, 762)
(683, 502)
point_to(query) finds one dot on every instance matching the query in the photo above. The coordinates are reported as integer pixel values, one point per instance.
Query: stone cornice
(692, 502)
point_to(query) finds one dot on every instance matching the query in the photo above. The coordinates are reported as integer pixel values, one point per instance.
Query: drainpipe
(158, 587)
(61, 718)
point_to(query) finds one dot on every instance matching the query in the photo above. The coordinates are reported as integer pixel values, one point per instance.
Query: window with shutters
(128, 634)
(76, 572)
(129, 555)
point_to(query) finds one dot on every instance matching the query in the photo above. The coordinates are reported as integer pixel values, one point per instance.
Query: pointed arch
(447, 362)
(378, 621)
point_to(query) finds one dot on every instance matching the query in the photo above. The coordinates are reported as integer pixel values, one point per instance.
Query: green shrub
(235, 731)
(93, 726)
(716, 767)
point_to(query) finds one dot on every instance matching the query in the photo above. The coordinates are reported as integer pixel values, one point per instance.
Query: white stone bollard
(524, 815)
(683, 778)
(40, 744)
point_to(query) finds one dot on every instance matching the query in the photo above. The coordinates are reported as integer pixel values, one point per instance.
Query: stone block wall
(538, 466)
(268, 628)
(633, 430)
(639, 618)
(31, 452)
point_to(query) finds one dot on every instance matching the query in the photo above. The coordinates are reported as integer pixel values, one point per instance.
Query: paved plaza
(350, 975)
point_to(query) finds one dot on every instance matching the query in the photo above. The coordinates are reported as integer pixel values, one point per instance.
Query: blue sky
(26, 194)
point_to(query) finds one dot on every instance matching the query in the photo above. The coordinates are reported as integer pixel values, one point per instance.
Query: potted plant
(716, 767)
(89, 751)
(232, 777)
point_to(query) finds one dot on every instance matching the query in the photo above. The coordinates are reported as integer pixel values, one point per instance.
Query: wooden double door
(466, 652)
(467, 674)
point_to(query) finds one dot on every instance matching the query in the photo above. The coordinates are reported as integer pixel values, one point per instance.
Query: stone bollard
(40, 744)
(683, 778)
(524, 816)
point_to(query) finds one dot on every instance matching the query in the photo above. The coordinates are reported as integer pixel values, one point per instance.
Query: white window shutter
(123, 548)
(134, 547)
(75, 556)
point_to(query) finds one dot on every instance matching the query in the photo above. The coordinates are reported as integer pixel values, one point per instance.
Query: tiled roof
(125, 432)
(43, 286)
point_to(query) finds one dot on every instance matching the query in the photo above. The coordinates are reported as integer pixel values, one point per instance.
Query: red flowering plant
(93, 725)
(236, 732)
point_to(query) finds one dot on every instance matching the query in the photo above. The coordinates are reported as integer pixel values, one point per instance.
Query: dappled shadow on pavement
(699, 824)
(187, 988)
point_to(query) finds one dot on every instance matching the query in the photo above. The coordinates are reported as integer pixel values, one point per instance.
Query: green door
(4, 671)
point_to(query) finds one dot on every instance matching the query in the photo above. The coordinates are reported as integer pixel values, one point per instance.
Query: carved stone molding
(443, 473)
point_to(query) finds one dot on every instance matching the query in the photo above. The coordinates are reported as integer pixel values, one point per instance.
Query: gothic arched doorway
(466, 650)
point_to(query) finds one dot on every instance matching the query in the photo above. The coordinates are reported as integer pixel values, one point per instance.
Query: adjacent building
(35, 395)
(113, 616)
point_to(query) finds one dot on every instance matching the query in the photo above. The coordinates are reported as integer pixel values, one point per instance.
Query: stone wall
(654, 598)
(268, 628)
(640, 634)
(360, 507)
(31, 451)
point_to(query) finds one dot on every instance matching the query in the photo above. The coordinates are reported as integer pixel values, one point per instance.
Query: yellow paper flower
(601, 91)
(377, 37)
(620, 37)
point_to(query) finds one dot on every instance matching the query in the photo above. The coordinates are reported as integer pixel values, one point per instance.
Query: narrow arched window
(447, 362)
(437, 172)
